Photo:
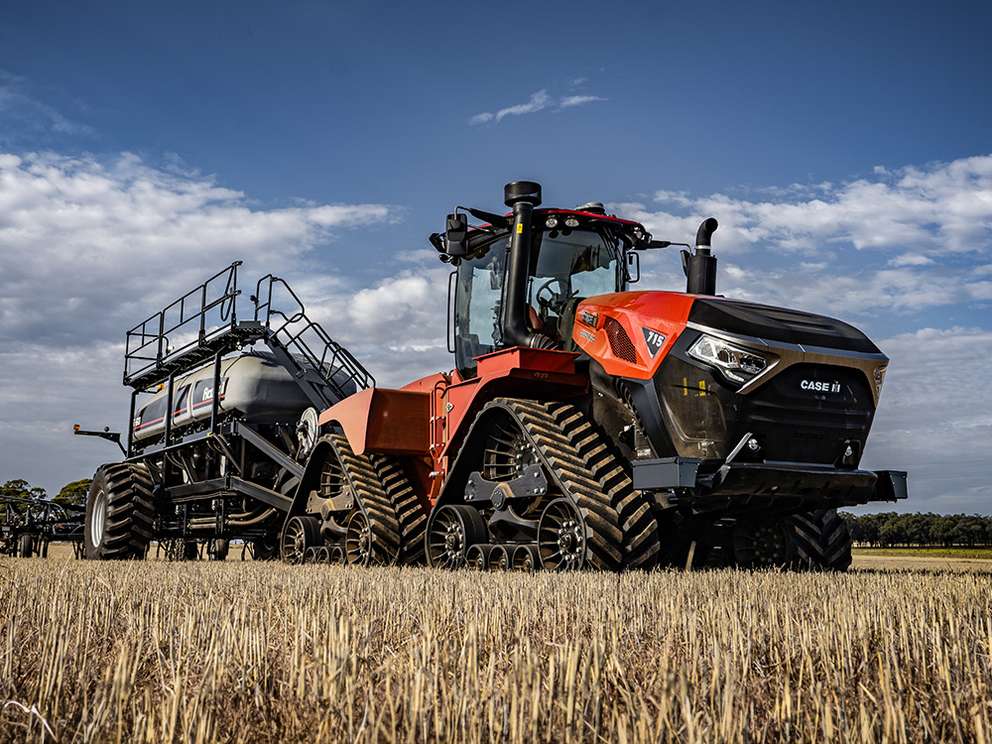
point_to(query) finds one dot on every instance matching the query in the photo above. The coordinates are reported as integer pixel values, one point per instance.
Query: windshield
(567, 266)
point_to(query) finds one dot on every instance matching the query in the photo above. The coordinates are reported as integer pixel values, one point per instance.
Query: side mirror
(456, 235)
(633, 268)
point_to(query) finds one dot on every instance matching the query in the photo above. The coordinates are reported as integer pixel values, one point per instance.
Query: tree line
(890, 529)
(18, 488)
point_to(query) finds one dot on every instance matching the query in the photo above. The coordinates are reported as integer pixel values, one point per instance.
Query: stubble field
(258, 652)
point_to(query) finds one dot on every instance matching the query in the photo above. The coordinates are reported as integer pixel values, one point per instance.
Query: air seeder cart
(223, 416)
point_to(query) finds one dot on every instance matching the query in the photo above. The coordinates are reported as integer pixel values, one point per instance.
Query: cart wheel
(25, 546)
(218, 549)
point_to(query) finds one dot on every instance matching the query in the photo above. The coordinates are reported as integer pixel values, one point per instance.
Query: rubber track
(622, 531)
(373, 500)
(409, 511)
(822, 540)
(130, 511)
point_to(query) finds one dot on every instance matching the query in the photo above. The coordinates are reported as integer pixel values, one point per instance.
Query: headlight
(736, 364)
(879, 379)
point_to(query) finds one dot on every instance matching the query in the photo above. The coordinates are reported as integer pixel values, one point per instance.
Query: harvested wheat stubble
(266, 652)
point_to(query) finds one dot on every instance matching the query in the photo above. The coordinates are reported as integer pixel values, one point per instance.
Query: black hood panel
(779, 324)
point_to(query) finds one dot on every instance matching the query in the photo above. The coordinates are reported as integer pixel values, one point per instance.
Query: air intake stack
(700, 266)
(522, 197)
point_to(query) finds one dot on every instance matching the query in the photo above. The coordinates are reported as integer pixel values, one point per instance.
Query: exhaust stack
(700, 266)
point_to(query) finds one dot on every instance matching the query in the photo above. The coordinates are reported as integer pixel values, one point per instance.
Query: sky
(845, 148)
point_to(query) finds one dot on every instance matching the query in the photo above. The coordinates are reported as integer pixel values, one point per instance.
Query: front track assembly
(548, 491)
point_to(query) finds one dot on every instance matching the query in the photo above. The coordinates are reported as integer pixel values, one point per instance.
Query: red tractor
(586, 425)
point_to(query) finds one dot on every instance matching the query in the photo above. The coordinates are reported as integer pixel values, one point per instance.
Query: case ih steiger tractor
(584, 425)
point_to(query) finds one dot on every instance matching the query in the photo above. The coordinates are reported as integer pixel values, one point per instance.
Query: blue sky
(844, 148)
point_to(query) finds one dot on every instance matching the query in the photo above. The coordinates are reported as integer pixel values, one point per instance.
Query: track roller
(477, 557)
(526, 558)
(499, 558)
(561, 540)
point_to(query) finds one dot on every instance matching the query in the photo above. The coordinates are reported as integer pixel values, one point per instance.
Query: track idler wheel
(336, 555)
(561, 537)
(300, 535)
(452, 529)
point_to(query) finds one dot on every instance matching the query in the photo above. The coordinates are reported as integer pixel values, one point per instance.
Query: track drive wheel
(821, 539)
(452, 529)
(119, 513)
(300, 535)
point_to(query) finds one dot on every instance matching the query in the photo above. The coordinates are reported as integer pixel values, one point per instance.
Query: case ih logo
(815, 386)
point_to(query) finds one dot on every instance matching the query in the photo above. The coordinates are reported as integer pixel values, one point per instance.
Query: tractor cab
(546, 263)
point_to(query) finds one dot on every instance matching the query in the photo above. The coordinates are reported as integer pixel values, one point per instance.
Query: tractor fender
(383, 420)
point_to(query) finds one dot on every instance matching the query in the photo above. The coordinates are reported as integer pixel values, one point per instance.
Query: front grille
(620, 343)
(706, 416)
(806, 413)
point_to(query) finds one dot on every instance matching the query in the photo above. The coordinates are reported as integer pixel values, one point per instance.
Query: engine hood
(631, 333)
(778, 324)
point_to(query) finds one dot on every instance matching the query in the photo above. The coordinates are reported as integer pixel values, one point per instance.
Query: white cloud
(80, 240)
(937, 209)
(573, 101)
(20, 111)
(934, 419)
(911, 259)
(538, 101)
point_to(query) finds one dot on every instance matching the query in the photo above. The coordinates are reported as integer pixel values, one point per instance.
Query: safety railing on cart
(306, 339)
(207, 310)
